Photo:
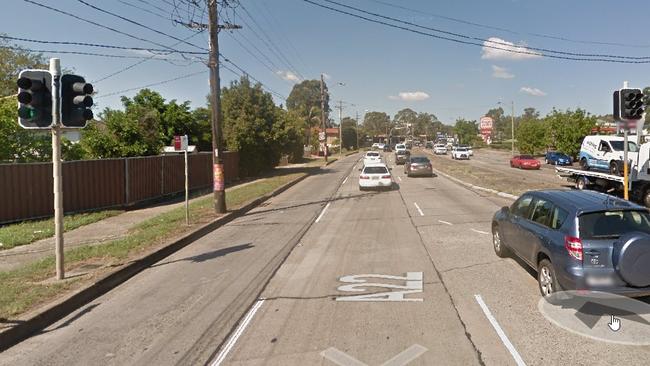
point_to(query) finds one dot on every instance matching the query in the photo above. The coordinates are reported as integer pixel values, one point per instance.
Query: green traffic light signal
(35, 99)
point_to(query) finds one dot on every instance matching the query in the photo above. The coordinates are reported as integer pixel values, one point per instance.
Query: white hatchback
(372, 157)
(375, 176)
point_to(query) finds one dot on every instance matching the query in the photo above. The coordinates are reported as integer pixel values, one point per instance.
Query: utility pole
(626, 181)
(357, 132)
(340, 129)
(512, 127)
(322, 115)
(215, 104)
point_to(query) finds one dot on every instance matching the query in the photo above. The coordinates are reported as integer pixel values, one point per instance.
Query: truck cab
(605, 153)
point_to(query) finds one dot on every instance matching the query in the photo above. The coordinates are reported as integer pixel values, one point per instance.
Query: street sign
(177, 143)
(321, 136)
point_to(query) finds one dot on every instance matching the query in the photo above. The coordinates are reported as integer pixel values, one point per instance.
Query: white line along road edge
(500, 332)
(322, 213)
(345, 180)
(238, 332)
(480, 232)
(418, 207)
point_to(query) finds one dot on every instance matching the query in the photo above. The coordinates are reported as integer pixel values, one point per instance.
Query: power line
(245, 73)
(150, 85)
(144, 9)
(507, 30)
(90, 54)
(483, 39)
(165, 51)
(251, 53)
(270, 44)
(510, 50)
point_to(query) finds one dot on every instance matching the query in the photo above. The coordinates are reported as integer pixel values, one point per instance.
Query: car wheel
(583, 164)
(546, 278)
(546, 161)
(646, 197)
(613, 169)
(499, 247)
(361, 188)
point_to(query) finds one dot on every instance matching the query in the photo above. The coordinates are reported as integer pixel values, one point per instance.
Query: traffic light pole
(55, 70)
(215, 105)
(626, 178)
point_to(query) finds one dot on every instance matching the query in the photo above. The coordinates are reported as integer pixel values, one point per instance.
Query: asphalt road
(406, 276)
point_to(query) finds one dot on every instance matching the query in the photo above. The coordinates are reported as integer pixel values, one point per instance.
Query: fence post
(127, 194)
(162, 175)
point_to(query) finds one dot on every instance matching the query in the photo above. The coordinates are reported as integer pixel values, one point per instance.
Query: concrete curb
(57, 311)
(478, 188)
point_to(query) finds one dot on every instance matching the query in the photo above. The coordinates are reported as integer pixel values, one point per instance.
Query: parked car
(400, 147)
(418, 166)
(578, 240)
(387, 148)
(375, 176)
(440, 149)
(525, 162)
(371, 157)
(375, 145)
(557, 158)
(605, 153)
(459, 153)
(401, 156)
(429, 145)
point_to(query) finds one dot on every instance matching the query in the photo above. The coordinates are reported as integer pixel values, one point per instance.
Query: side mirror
(359, 169)
(505, 209)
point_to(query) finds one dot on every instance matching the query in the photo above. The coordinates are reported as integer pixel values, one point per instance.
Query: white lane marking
(345, 180)
(445, 222)
(412, 285)
(480, 232)
(419, 210)
(400, 178)
(238, 332)
(500, 332)
(323, 212)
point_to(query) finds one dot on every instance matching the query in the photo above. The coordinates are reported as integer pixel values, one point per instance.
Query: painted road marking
(238, 332)
(500, 332)
(480, 232)
(412, 280)
(401, 359)
(419, 210)
(400, 178)
(323, 212)
(445, 222)
(345, 180)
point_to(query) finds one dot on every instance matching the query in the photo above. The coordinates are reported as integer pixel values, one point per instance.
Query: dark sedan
(418, 166)
(578, 240)
(557, 158)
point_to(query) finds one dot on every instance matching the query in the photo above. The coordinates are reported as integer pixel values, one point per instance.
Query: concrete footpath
(97, 233)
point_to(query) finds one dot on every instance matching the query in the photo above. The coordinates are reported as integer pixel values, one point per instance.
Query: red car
(525, 162)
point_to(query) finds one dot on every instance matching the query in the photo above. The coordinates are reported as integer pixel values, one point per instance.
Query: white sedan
(371, 157)
(460, 153)
(375, 176)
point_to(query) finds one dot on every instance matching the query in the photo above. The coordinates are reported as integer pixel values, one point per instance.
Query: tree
(21, 145)
(566, 129)
(249, 115)
(406, 116)
(376, 123)
(531, 136)
(349, 132)
(467, 131)
(305, 101)
(13, 59)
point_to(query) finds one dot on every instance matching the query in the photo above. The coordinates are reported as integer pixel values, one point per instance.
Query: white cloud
(410, 96)
(532, 91)
(288, 75)
(501, 72)
(500, 49)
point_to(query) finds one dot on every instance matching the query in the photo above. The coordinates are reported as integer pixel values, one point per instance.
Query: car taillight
(574, 246)
(364, 177)
(385, 177)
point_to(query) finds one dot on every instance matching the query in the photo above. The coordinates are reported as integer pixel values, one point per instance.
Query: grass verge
(27, 287)
(27, 232)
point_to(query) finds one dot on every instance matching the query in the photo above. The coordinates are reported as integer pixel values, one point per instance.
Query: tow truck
(638, 180)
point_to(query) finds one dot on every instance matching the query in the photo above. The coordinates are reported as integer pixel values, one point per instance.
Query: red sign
(486, 125)
(177, 143)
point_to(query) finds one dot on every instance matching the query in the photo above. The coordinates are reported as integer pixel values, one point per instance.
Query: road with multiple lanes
(324, 274)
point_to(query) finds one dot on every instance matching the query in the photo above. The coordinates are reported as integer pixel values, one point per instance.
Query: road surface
(297, 282)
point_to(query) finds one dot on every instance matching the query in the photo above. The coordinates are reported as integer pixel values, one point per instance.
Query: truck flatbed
(577, 172)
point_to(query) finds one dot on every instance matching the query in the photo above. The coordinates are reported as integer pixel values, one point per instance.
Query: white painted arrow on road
(401, 359)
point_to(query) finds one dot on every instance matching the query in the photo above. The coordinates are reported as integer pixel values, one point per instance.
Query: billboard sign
(486, 125)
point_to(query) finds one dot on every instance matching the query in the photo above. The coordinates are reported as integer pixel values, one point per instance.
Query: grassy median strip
(25, 288)
(13, 235)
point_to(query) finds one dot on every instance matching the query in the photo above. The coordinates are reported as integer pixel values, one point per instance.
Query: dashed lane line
(445, 222)
(480, 232)
(322, 213)
(419, 209)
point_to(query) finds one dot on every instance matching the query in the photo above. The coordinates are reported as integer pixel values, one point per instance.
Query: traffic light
(631, 104)
(75, 101)
(35, 99)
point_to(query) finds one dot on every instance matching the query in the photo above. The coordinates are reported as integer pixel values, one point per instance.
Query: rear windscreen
(419, 160)
(613, 224)
(372, 154)
(375, 170)
(401, 152)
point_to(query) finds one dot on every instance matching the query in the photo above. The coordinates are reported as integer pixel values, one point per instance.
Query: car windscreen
(612, 224)
(419, 160)
(372, 154)
(401, 152)
(375, 170)
(526, 157)
(618, 146)
(461, 149)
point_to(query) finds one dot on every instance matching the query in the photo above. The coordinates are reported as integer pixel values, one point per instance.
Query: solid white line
(345, 180)
(323, 212)
(480, 232)
(445, 222)
(418, 207)
(238, 332)
(500, 332)
(400, 178)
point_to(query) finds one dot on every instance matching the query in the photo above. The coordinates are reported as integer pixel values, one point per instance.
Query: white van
(605, 153)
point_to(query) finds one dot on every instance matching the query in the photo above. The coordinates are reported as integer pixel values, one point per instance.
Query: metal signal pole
(55, 70)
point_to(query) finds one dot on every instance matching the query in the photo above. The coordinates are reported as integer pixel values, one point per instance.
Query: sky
(368, 66)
